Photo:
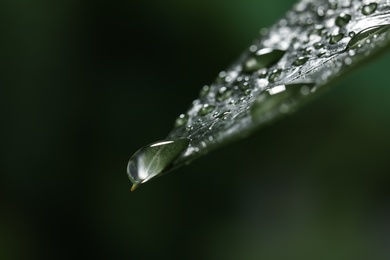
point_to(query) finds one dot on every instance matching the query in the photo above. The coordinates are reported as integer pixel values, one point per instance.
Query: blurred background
(87, 83)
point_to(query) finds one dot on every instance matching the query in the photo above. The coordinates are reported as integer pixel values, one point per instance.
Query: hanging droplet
(206, 109)
(336, 38)
(343, 19)
(274, 75)
(300, 61)
(360, 38)
(181, 120)
(263, 58)
(369, 9)
(154, 159)
(223, 94)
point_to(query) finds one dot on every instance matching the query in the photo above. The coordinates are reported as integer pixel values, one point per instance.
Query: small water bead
(343, 19)
(181, 120)
(263, 58)
(300, 61)
(274, 75)
(336, 38)
(318, 45)
(247, 92)
(351, 34)
(306, 51)
(206, 109)
(204, 91)
(348, 61)
(223, 94)
(222, 115)
(253, 48)
(369, 9)
(321, 54)
(221, 77)
(333, 5)
(154, 159)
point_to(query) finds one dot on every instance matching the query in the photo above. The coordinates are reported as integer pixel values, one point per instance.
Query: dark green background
(87, 83)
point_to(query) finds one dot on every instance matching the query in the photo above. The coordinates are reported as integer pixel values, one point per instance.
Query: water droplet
(321, 54)
(154, 159)
(181, 120)
(348, 61)
(336, 38)
(274, 75)
(222, 115)
(333, 5)
(300, 61)
(253, 48)
(204, 91)
(223, 94)
(368, 33)
(206, 109)
(369, 9)
(343, 19)
(351, 34)
(263, 58)
(318, 45)
(247, 92)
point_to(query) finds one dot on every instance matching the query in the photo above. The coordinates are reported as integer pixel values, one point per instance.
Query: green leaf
(316, 43)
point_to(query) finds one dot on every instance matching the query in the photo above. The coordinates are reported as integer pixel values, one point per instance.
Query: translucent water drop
(204, 91)
(300, 61)
(336, 38)
(274, 75)
(351, 34)
(318, 45)
(181, 120)
(223, 94)
(342, 20)
(369, 9)
(154, 159)
(333, 5)
(321, 54)
(206, 109)
(263, 58)
(360, 38)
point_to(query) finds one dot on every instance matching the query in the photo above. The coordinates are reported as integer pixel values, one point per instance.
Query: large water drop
(360, 38)
(369, 9)
(154, 159)
(263, 58)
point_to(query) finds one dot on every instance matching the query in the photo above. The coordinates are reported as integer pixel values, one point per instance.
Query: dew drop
(318, 45)
(300, 61)
(204, 91)
(263, 58)
(333, 5)
(181, 120)
(206, 109)
(223, 94)
(351, 34)
(274, 75)
(336, 38)
(360, 38)
(343, 19)
(369, 9)
(154, 159)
